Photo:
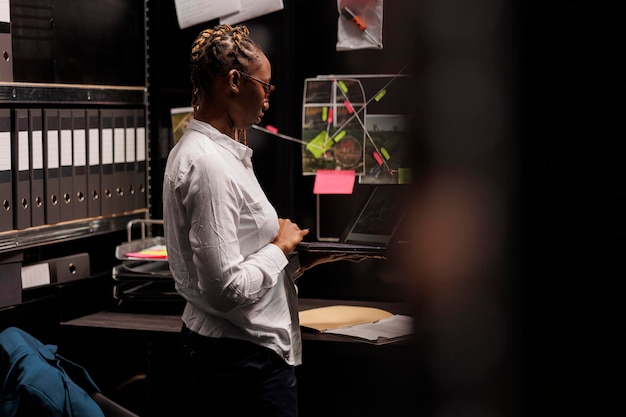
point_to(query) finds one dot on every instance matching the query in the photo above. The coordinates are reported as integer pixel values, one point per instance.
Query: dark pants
(237, 378)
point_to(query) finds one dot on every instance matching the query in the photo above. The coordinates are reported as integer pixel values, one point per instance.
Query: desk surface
(171, 323)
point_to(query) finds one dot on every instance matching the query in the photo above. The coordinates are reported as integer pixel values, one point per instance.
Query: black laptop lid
(377, 218)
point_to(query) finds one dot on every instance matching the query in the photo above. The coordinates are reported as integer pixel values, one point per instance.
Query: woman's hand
(289, 235)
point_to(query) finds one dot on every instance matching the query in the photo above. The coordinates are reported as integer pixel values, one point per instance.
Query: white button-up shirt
(218, 227)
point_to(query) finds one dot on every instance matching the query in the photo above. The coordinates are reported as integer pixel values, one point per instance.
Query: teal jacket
(36, 381)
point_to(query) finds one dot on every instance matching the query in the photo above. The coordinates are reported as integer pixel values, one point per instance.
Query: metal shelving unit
(14, 94)
(49, 234)
(62, 94)
(41, 35)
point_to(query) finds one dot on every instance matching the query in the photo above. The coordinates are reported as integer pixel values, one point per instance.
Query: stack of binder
(143, 278)
(66, 164)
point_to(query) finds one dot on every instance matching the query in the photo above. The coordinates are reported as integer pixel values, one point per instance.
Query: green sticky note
(319, 144)
(385, 153)
(324, 113)
(343, 86)
(380, 95)
(339, 135)
(404, 176)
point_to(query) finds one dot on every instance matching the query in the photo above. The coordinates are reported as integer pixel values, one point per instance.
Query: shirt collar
(239, 150)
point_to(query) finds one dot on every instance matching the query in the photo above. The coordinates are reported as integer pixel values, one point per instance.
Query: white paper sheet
(192, 12)
(393, 327)
(5, 11)
(251, 9)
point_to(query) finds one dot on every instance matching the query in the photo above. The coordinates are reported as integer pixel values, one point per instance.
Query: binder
(106, 161)
(79, 158)
(37, 190)
(67, 174)
(119, 161)
(94, 185)
(6, 50)
(52, 167)
(141, 174)
(69, 268)
(6, 172)
(21, 169)
(131, 161)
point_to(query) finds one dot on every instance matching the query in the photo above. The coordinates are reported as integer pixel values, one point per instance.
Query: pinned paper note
(334, 182)
(319, 144)
(193, 12)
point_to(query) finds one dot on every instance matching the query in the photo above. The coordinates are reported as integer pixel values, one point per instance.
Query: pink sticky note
(271, 128)
(330, 181)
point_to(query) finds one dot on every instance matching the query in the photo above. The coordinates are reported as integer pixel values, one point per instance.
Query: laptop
(372, 226)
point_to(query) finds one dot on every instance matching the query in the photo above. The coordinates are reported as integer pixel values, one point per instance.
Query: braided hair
(215, 52)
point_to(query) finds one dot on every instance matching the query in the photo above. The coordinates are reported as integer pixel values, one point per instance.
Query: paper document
(153, 252)
(333, 317)
(396, 326)
(251, 9)
(193, 12)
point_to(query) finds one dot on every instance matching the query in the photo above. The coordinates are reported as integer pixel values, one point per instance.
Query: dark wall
(572, 202)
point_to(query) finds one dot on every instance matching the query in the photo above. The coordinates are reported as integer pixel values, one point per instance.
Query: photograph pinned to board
(333, 138)
(180, 118)
(358, 123)
(386, 150)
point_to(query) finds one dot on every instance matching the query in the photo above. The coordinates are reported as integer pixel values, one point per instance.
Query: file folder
(69, 268)
(67, 165)
(106, 162)
(79, 158)
(6, 172)
(52, 167)
(141, 199)
(131, 160)
(6, 51)
(94, 185)
(37, 191)
(119, 161)
(21, 169)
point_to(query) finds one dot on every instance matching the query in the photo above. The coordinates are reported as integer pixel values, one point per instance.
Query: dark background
(561, 66)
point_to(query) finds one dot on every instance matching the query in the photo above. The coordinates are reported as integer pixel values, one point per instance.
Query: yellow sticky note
(339, 135)
(404, 176)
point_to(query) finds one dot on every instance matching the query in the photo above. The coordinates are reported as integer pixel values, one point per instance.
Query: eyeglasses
(269, 88)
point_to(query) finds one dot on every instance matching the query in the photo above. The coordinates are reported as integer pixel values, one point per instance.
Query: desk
(161, 325)
(339, 376)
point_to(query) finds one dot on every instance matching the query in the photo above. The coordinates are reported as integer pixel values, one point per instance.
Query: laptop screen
(378, 217)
